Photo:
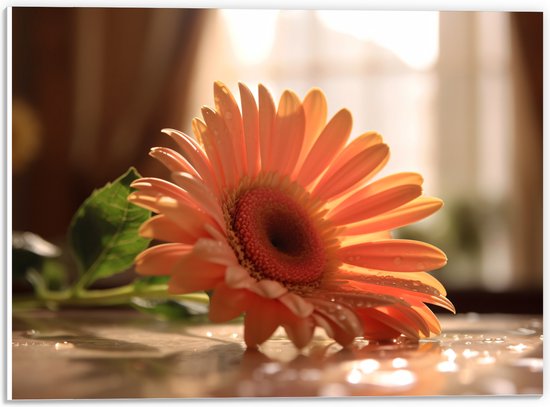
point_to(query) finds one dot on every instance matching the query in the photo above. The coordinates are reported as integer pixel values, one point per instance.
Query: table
(113, 353)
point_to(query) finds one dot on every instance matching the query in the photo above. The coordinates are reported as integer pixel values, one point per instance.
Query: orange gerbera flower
(272, 211)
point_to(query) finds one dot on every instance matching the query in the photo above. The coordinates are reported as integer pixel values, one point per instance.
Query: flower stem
(110, 296)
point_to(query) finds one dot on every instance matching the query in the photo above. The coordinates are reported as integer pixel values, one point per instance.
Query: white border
(5, 183)
(446, 5)
(6, 219)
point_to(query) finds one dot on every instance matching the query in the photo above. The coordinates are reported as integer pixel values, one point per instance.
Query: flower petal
(159, 187)
(251, 130)
(335, 330)
(268, 289)
(350, 296)
(195, 155)
(144, 200)
(411, 212)
(394, 255)
(374, 205)
(383, 184)
(215, 251)
(192, 273)
(206, 138)
(238, 277)
(400, 289)
(408, 314)
(215, 233)
(159, 260)
(375, 329)
(184, 216)
(395, 321)
(338, 315)
(346, 240)
(393, 180)
(288, 135)
(261, 320)
(315, 111)
(324, 324)
(266, 120)
(329, 143)
(229, 112)
(429, 317)
(190, 191)
(160, 227)
(221, 141)
(374, 282)
(299, 330)
(356, 146)
(397, 278)
(201, 195)
(173, 160)
(360, 168)
(227, 303)
(299, 306)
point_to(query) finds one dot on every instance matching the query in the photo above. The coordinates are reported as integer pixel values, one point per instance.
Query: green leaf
(165, 308)
(162, 309)
(104, 231)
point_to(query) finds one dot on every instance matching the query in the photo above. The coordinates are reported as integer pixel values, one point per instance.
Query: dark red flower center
(277, 237)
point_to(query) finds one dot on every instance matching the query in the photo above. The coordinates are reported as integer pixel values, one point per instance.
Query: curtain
(528, 211)
(92, 88)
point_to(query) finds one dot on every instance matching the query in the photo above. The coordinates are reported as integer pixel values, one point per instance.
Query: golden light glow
(412, 36)
(252, 33)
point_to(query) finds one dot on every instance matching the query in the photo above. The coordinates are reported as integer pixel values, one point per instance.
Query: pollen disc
(278, 238)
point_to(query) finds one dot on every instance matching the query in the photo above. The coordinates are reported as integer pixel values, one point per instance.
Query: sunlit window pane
(411, 36)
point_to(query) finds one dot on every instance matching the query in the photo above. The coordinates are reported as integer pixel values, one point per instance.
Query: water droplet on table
(64, 345)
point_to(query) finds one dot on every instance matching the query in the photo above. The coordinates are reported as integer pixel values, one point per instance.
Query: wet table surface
(123, 354)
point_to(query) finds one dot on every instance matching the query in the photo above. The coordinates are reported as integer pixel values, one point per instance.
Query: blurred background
(456, 95)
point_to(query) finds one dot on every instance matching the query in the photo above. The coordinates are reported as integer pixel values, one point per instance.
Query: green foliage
(104, 231)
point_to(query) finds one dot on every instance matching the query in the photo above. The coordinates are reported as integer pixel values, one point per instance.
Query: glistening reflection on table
(121, 354)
